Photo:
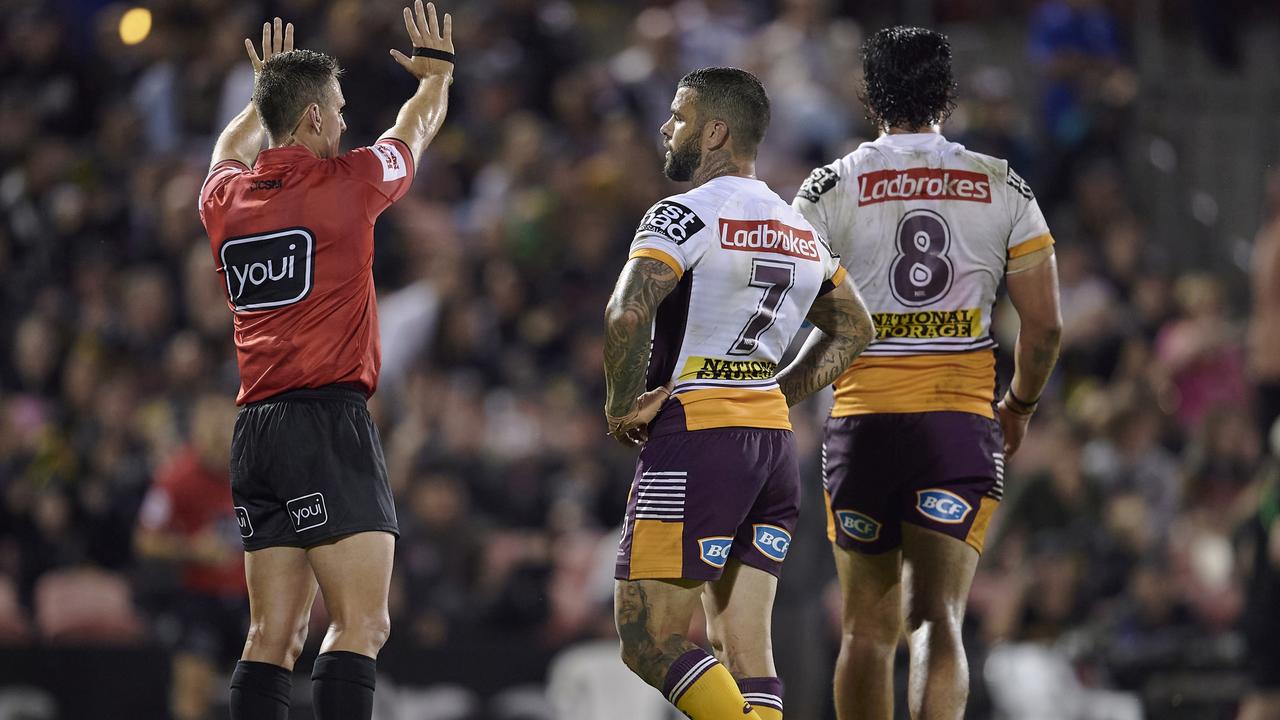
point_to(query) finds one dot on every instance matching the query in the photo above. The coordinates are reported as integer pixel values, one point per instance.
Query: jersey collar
(278, 156)
(912, 139)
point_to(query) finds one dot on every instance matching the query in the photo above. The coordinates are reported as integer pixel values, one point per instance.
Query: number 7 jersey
(927, 230)
(750, 268)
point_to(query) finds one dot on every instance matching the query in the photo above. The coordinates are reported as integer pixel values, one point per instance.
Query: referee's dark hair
(288, 83)
(736, 97)
(907, 77)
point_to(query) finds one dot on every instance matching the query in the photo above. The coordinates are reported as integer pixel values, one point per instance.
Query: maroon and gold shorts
(701, 497)
(943, 471)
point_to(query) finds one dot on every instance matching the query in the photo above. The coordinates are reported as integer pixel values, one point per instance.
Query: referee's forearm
(422, 115)
(241, 139)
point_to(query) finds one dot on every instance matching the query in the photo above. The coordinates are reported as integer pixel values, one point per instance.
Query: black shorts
(306, 467)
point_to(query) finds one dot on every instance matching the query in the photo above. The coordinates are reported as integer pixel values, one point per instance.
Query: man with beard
(718, 282)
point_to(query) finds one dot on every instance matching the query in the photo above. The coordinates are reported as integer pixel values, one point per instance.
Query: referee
(291, 229)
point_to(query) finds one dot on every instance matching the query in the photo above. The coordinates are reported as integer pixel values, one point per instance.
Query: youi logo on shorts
(269, 270)
(943, 506)
(858, 526)
(307, 512)
(715, 550)
(242, 519)
(773, 541)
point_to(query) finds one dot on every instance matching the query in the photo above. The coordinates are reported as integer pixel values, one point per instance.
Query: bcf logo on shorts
(858, 526)
(773, 541)
(945, 507)
(715, 550)
(307, 512)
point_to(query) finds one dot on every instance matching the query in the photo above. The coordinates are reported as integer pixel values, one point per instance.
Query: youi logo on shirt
(268, 270)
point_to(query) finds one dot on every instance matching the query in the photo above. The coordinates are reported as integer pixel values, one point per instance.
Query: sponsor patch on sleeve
(1019, 185)
(818, 183)
(672, 220)
(393, 163)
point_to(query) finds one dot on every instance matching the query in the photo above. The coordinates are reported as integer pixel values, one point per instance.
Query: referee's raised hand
(274, 41)
(432, 43)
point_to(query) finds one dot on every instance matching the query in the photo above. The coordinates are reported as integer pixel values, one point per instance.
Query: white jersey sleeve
(673, 233)
(810, 201)
(1030, 231)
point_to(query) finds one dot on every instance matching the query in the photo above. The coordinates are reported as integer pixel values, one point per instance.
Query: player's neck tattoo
(716, 163)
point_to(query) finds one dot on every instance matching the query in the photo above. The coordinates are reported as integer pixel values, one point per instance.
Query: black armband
(1020, 406)
(435, 54)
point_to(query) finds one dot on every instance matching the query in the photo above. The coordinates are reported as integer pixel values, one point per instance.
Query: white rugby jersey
(926, 229)
(750, 268)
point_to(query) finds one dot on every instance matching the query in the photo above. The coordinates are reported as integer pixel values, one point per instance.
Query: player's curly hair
(288, 84)
(907, 80)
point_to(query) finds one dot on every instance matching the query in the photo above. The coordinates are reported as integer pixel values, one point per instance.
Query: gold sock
(764, 694)
(708, 692)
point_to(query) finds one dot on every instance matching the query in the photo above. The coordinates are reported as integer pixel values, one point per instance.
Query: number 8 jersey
(927, 230)
(750, 268)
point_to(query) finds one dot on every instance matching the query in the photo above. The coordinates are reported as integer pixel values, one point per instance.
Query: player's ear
(315, 117)
(715, 134)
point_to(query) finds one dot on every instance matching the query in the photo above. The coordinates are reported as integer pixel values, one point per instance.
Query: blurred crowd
(1119, 546)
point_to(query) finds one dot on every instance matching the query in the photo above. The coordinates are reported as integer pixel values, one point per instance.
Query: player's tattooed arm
(242, 138)
(641, 287)
(646, 649)
(843, 330)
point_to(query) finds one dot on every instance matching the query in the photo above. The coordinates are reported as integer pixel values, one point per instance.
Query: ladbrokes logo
(265, 271)
(923, 184)
(965, 323)
(704, 368)
(771, 236)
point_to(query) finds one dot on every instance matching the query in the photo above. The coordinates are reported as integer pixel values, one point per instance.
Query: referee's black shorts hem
(320, 539)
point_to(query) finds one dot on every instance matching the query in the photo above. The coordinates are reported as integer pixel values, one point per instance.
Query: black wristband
(1026, 408)
(435, 54)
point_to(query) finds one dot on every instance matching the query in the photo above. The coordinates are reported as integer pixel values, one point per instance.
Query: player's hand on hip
(432, 43)
(1014, 424)
(633, 428)
(275, 40)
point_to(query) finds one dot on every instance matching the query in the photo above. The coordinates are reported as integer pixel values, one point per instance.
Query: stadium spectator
(186, 519)
(1264, 323)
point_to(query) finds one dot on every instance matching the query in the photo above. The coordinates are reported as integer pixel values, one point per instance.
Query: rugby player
(718, 282)
(291, 229)
(915, 448)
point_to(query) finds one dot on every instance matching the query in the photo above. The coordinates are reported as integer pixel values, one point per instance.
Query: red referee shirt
(293, 240)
